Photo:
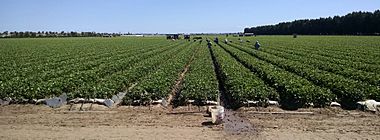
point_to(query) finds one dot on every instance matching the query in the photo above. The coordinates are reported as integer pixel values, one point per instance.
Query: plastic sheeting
(118, 98)
(370, 105)
(335, 104)
(57, 101)
(108, 102)
(5, 101)
(269, 102)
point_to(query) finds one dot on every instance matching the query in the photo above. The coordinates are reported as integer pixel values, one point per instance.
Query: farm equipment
(186, 36)
(172, 36)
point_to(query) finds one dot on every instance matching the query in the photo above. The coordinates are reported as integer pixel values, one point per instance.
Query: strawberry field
(298, 72)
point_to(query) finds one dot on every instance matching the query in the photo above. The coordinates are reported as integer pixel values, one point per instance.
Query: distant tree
(28, 34)
(355, 23)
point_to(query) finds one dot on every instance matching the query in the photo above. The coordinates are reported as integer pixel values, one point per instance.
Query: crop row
(51, 66)
(76, 78)
(158, 84)
(122, 80)
(347, 91)
(355, 49)
(240, 83)
(342, 62)
(338, 60)
(294, 91)
(200, 82)
(368, 77)
(322, 55)
(24, 52)
(316, 49)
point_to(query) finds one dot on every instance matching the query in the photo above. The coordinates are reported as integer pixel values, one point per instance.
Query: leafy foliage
(200, 82)
(295, 92)
(297, 72)
(240, 82)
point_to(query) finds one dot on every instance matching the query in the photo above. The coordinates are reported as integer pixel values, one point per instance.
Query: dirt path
(329, 123)
(40, 122)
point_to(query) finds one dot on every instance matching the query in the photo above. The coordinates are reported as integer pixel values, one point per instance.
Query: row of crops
(98, 69)
(200, 82)
(304, 80)
(302, 72)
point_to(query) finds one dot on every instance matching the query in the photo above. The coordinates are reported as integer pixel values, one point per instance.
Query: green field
(297, 72)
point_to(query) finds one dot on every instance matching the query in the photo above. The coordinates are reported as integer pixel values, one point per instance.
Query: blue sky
(165, 16)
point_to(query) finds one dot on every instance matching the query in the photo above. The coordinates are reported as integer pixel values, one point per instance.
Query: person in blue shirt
(257, 45)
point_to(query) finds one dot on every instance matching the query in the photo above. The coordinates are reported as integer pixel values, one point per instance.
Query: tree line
(355, 23)
(29, 34)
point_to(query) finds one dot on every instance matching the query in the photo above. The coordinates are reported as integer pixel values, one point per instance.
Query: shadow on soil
(208, 123)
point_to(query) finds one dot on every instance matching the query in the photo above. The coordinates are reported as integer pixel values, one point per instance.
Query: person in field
(216, 40)
(209, 44)
(225, 41)
(257, 45)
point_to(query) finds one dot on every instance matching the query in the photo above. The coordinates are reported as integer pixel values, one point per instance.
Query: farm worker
(225, 41)
(209, 44)
(216, 40)
(257, 45)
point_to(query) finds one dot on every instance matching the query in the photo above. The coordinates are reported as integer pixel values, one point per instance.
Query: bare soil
(41, 122)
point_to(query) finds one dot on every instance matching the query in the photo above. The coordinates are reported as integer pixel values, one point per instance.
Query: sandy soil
(327, 123)
(41, 122)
